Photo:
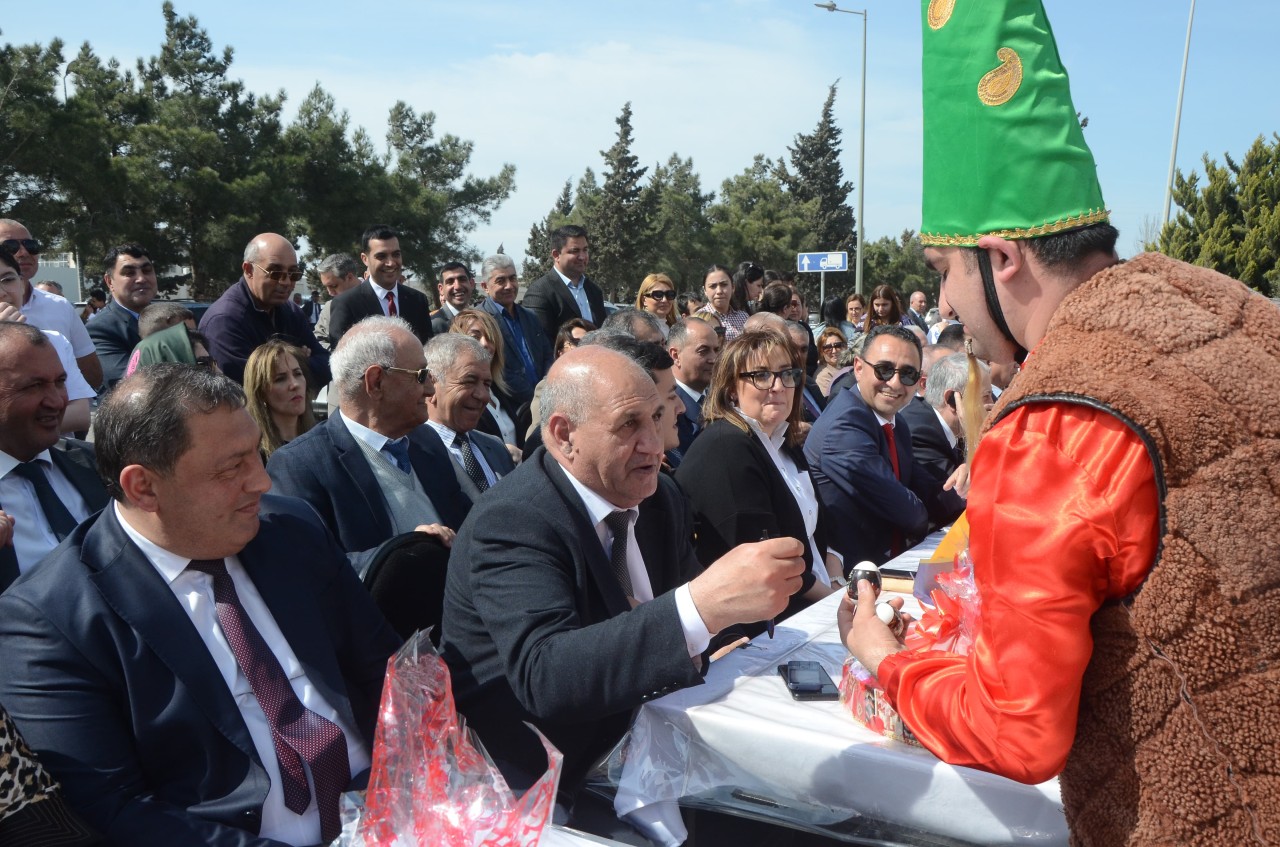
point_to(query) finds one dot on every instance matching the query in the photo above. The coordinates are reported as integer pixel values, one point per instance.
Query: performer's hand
(437, 530)
(863, 633)
(959, 480)
(6, 530)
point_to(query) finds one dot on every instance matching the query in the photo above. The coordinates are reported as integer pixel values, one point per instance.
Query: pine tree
(757, 217)
(682, 232)
(621, 225)
(538, 250)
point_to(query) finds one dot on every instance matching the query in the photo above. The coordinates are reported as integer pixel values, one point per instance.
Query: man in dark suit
(694, 347)
(919, 305)
(528, 353)
(373, 471)
(859, 453)
(163, 660)
(47, 484)
(592, 602)
(565, 291)
(462, 372)
(455, 288)
(131, 278)
(381, 292)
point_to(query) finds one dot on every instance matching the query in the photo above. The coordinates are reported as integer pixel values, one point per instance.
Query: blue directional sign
(820, 262)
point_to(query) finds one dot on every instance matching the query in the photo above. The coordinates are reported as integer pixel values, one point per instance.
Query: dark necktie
(961, 458)
(297, 732)
(469, 463)
(391, 304)
(60, 520)
(895, 543)
(398, 450)
(619, 522)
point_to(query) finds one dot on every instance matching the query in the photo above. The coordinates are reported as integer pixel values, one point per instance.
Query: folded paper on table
(431, 784)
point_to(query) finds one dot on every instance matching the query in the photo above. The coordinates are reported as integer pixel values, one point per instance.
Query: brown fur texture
(1178, 740)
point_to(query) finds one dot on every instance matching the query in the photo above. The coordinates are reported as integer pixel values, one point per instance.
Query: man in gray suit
(47, 484)
(460, 367)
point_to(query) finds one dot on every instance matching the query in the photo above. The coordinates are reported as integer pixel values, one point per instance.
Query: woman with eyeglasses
(275, 388)
(658, 295)
(570, 335)
(831, 343)
(745, 474)
(502, 417)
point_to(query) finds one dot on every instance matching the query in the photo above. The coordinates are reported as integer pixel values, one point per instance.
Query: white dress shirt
(194, 591)
(505, 425)
(696, 634)
(382, 293)
(49, 311)
(77, 386)
(447, 435)
(32, 537)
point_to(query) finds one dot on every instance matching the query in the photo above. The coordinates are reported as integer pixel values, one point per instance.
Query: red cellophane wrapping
(431, 784)
(950, 626)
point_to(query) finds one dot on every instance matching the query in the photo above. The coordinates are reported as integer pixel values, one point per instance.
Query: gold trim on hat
(1093, 216)
(998, 86)
(940, 12)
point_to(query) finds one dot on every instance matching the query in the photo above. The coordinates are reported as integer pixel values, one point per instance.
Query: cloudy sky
(540, 85)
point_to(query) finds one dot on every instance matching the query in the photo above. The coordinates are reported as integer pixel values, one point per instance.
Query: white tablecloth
(743, 730)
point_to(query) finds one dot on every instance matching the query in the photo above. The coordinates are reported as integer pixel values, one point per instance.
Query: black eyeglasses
(206, 362)
(884, 372)
(661, 295)
(29, 244)
(838, 345)
(763, 380)
(718, 330)
(280, 276)
(421, 375)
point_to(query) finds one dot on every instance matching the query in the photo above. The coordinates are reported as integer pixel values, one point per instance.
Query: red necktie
(895, 545)
(391, 304)
(297, 732)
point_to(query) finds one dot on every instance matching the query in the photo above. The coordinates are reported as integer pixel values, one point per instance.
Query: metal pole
(1177, 118)
(862, 151)
(822, 288)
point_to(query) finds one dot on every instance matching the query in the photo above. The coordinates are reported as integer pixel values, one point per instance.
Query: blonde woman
(275, 388)
(657, 295)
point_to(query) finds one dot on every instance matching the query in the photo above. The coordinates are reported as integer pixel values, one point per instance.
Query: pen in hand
(769, 624)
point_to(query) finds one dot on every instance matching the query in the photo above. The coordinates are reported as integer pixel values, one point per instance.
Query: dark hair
(455, 266)
(136, 251)
(9, 259)
(143, 421)
(682, 302)
(733, 360)
(834, 310)
(772, 276)
(97, 294)
(560, 236)
(1063, 248)
(746, 273)
(883, 292)
(776, 297)
(646, 354)
(377, 232)
(566, 332)
(952, 337)
(896, 331)
(162, 314)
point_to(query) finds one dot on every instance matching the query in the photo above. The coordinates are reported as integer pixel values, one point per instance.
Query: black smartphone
(808, 681)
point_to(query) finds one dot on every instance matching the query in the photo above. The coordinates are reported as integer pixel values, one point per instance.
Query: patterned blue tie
(398, 452)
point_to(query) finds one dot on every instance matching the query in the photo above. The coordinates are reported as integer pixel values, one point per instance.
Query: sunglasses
(280, 276)
(206, 362)
(764, 380)
(661, 295)
(29, 244)
(421, 375)
(838, 345)
(719, 330)
(884, 372)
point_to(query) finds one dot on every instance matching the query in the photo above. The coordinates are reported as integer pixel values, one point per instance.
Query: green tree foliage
(898, 262)
(621, 223)
(756, 217)
(1232, 223)
(538, 250)
(682, 231)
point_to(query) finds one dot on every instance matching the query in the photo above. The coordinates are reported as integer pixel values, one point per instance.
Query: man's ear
(1006, 257)
(372, 379)
(138, 484)
(561, 432)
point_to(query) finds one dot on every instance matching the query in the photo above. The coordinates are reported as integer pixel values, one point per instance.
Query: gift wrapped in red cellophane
(431, 784)
(952, 622)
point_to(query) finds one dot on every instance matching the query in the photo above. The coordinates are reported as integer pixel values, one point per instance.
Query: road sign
(822, 262)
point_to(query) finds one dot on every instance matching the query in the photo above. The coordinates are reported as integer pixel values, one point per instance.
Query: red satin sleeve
(1063, 515)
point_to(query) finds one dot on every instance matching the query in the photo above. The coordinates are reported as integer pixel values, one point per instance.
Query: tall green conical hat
(1003, 150)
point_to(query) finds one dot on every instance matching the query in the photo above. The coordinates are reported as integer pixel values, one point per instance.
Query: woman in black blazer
(745, 474)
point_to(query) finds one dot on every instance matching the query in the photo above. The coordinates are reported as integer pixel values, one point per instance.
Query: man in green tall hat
(1124, 494)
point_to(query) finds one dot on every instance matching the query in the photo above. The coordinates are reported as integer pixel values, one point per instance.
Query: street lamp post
(830, 6)
(1177, 117)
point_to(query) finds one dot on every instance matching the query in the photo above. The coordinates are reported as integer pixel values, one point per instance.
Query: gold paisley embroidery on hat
(998, 86)
(940, 12)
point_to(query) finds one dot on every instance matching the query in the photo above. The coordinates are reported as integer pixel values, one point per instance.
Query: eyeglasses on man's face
(31, 245)
(884, 372)
(764, 380)
(421, 375)
(277, 275)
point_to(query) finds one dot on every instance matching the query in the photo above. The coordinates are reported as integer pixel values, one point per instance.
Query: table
(558, 836)
(741, 741)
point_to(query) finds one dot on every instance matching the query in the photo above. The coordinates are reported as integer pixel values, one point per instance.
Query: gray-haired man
(528, 353)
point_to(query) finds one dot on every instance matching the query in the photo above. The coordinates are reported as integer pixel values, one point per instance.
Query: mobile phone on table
(808, 681)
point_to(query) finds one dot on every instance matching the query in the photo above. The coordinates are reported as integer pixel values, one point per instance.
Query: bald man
(573, 593)
(256, 309)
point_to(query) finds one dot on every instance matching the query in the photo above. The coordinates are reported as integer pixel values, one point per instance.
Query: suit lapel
(352, 459)
(75, 464)
(8, 566)
(139, 595)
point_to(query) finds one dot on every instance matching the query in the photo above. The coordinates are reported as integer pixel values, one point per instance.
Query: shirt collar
(566, 279)
(598, 508)
(952, 438)
(446, 434)
(383, 292)
(696, 395)
(376, 440)
(8, 463)
(779, 436)
(170, 565)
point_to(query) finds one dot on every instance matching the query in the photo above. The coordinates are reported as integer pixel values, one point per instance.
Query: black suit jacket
(115, 333)
(115, 691)
(354, 305)
(76, 461)
(935, 460)
(440, 321)
(849, 463)
(549, 298)
(738, 495)
(326, 467)
(536, 627)
(689, 424)
(495, 453)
